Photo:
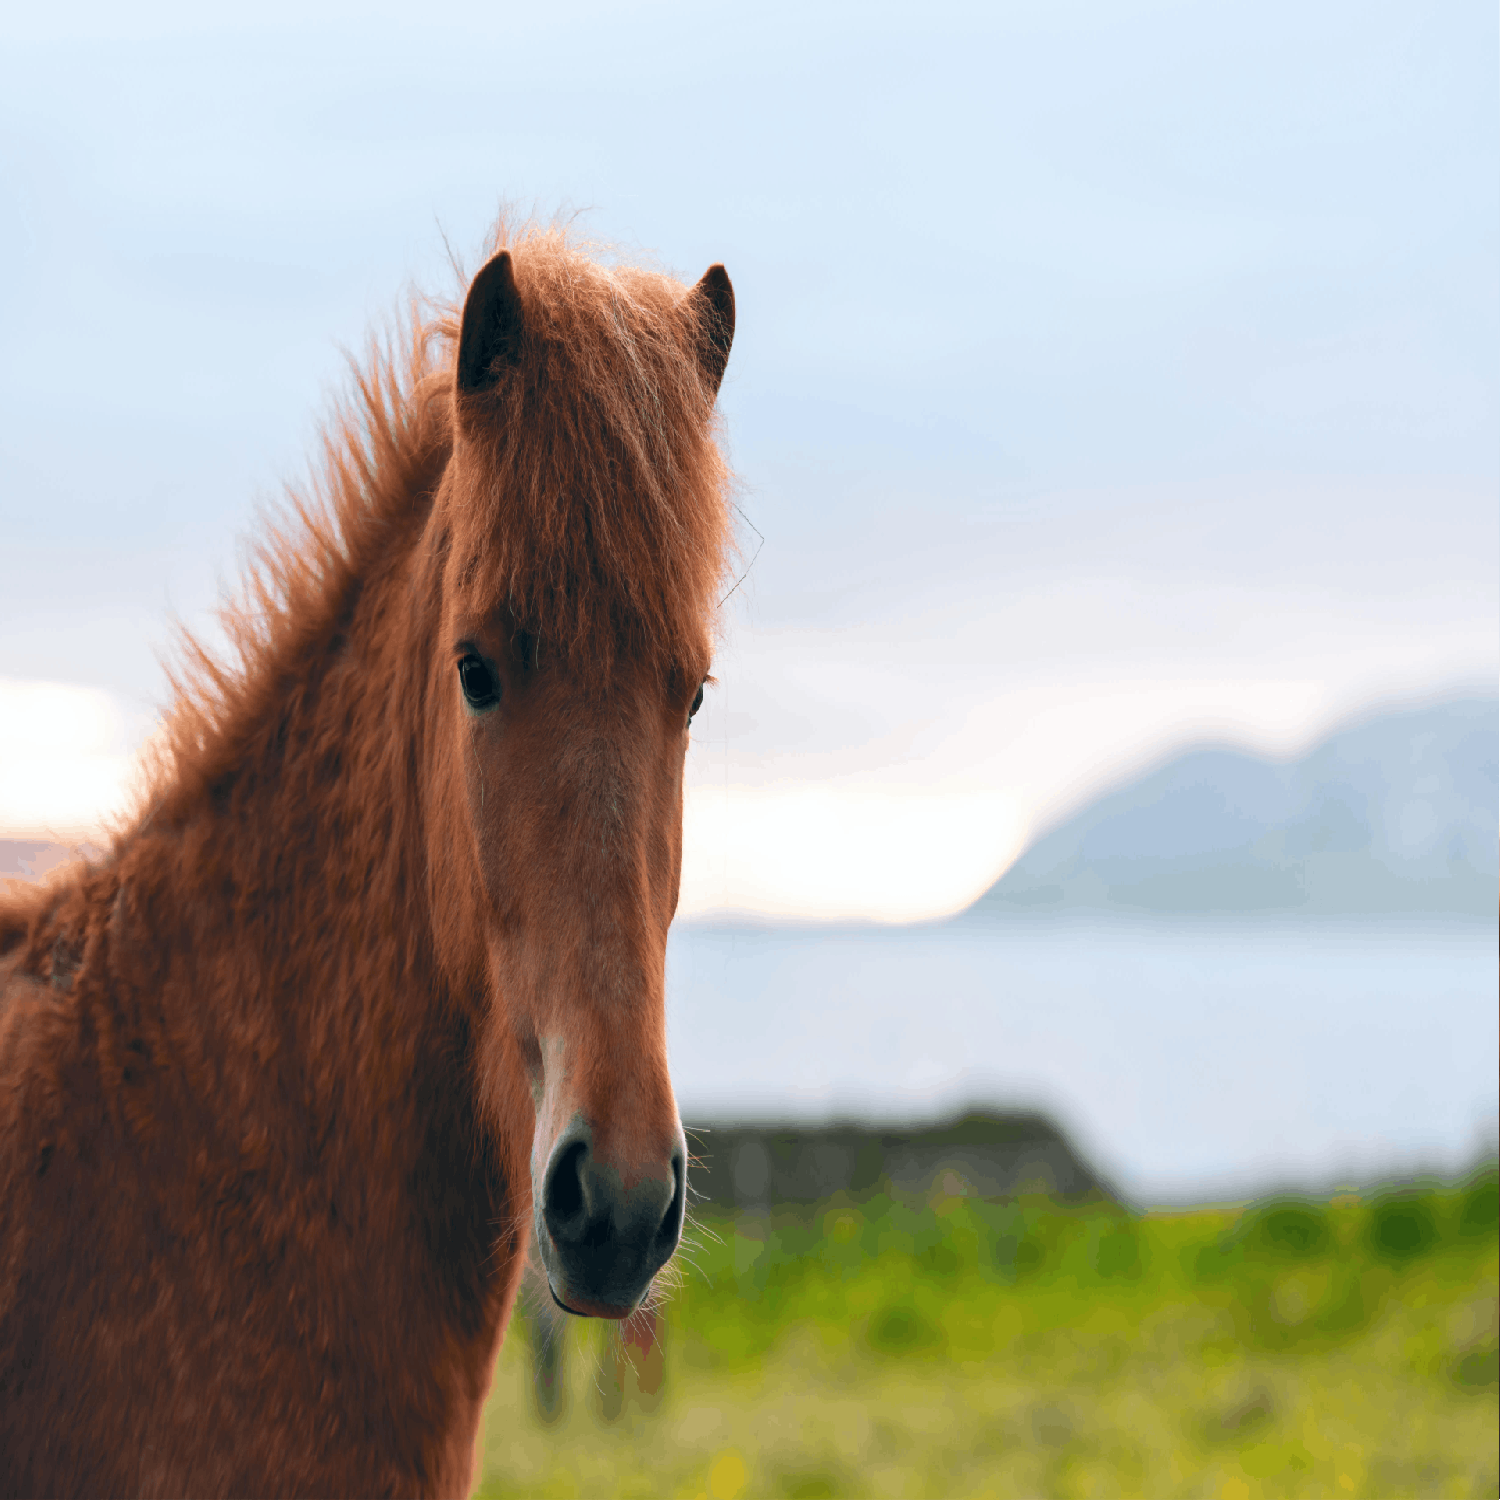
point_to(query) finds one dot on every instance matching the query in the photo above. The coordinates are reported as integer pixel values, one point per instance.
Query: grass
(961, 1347)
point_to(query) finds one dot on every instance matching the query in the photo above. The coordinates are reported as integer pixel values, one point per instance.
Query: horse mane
(602, 520)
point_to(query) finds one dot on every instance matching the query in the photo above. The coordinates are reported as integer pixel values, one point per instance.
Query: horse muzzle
(604, 1229)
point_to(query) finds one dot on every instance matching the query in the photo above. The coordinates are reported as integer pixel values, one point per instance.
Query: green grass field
(961, 1347)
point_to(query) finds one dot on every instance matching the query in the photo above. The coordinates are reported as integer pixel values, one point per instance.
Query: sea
(1188, 1061)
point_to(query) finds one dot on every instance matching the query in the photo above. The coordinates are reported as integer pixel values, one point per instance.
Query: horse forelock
(588, 496)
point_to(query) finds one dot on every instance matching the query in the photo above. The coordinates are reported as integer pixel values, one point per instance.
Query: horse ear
(492, 326)
(715, 298)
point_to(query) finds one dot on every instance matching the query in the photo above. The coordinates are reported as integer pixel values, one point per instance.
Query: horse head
(577, 547)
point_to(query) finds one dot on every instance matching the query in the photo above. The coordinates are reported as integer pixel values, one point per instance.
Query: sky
(1107, 377)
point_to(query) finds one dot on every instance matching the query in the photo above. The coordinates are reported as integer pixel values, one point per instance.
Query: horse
(369, 988)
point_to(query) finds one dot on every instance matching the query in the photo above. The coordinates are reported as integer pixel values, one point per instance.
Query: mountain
(30, 859)
(1392, 814)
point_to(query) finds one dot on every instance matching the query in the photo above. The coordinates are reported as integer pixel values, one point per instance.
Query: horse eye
(697, 703)
(481, 689)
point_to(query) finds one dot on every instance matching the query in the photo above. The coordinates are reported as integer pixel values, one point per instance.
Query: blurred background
(1105, 730)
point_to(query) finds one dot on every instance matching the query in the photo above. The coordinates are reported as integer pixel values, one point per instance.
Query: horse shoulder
(37, 1036)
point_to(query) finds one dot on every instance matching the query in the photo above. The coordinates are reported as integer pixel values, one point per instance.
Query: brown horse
(371, 989)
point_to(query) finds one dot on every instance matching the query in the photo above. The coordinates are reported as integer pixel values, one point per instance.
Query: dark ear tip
(717, 287)
(495, 278)
(498, 265)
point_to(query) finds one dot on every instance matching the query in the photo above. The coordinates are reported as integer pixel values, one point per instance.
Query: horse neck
(282, 910)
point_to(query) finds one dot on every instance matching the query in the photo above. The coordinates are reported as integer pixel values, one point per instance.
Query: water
(1189, 1062)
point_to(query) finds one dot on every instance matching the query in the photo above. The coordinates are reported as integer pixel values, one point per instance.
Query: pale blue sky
(1104, 372)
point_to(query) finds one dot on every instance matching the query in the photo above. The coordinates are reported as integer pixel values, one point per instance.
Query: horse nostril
(605, 1232)
(669, 1231)
(564, 1205)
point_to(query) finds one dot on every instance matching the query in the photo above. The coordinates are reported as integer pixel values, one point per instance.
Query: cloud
(824, 852)
(67, 764)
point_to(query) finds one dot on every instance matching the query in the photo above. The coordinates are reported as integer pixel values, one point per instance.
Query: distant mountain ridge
(31, 859)
(1392, 814)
